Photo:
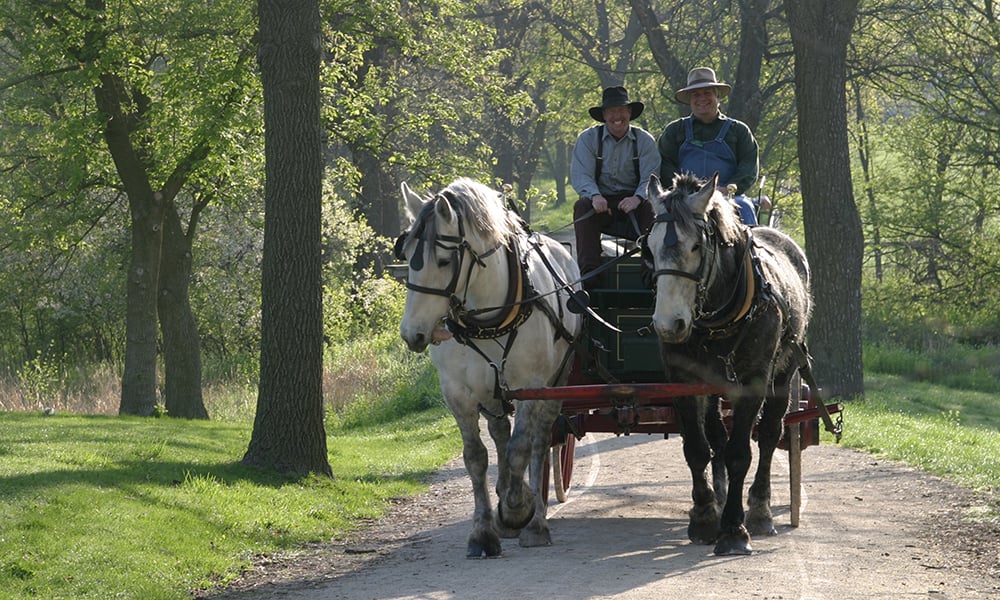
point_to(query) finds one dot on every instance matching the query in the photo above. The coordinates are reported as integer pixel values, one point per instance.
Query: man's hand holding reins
(630, 203)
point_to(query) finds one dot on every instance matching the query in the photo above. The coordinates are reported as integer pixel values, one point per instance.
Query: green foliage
(930, 205)
(40, 380)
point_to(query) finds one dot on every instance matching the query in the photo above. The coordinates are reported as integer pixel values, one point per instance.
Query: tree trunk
(146, 207)
(181, 343)
(821, 30)
(288, 433)
(379, 200)
(746, 102)
(670, 65)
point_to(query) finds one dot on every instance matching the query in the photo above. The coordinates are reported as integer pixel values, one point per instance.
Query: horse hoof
(760, 522)
(509, 521)
(734, 544)
(533, 539)
(762, 528)
(703, 536)
(488, 549)
(703, 527)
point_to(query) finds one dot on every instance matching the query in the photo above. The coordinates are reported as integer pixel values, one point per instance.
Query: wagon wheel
(562, 469)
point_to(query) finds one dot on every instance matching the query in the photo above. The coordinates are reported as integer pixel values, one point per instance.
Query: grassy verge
(99, 507)
(952, 433)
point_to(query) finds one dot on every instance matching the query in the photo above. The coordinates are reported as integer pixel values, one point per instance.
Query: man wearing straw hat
(611, 166)
(708, 141)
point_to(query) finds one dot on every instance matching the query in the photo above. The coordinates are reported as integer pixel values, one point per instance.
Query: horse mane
(722, 214)
(481, 207)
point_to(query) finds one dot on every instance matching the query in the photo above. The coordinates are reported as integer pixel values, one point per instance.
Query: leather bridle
(457, 245)
(705, 272)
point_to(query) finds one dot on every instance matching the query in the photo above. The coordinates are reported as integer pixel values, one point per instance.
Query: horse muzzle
(673, 330)
(417, 341)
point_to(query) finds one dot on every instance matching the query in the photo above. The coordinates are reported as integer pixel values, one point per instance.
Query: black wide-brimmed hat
(615, 96)
(701, 77)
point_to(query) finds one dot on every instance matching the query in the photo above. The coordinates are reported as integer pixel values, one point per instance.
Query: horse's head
(450, 235)
(692, 218)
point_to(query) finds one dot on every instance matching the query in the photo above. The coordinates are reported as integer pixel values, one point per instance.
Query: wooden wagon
(617, 385)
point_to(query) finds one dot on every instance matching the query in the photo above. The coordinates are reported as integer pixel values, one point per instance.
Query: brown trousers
(616, 223)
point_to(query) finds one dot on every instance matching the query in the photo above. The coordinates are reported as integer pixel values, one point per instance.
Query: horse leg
(715, 430)
(483, 539)
(733, 535)
(759, 520)
(517, 507)
(537, 533)
(703, 524)
(499, 428)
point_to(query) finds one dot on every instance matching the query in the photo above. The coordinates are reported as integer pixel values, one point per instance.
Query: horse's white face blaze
(680, 249)
(424, 312)
(676, 297)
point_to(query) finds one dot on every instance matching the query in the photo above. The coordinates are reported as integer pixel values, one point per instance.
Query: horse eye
(443, 262)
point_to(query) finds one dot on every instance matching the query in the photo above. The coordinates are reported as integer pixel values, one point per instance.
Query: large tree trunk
(181, 342)
(139, 377)
(146, 207)
(379, 200)
(821, 30)
(746, 102)
(288, 433)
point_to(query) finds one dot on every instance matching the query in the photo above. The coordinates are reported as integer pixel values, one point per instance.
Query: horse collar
(742, 299)
(466, 325)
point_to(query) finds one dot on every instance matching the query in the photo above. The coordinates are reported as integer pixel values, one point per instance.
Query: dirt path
(869, 529)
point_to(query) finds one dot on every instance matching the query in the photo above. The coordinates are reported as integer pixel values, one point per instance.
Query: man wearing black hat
(611, 166)
(708, 141)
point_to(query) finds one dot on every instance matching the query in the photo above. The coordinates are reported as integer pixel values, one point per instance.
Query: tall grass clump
(376, 379)
(944, 362)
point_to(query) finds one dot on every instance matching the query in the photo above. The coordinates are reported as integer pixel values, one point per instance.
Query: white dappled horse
(490, 299)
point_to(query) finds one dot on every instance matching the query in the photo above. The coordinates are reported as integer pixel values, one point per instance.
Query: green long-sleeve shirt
(739, 138)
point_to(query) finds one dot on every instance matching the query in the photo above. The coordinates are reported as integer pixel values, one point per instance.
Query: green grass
(953, 365)
(99, 507)
(948, 432)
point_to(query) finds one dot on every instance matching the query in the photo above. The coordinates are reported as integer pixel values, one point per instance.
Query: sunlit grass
(98, 507)
(948, 432)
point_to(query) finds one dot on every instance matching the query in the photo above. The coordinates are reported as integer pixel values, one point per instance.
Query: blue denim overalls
(703, 159)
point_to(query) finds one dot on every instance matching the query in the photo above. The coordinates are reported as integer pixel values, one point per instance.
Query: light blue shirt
(617, 168)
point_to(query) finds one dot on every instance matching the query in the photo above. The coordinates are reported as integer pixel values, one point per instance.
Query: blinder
(669, 241)
(397, 247)
(457, 245)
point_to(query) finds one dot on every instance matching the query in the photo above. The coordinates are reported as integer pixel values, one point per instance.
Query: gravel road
(869, 529)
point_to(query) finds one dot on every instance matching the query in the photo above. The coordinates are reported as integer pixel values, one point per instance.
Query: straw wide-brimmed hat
(615, 96)
(701, 77)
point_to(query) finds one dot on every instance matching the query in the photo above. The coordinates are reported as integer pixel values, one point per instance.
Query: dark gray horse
(732, 306)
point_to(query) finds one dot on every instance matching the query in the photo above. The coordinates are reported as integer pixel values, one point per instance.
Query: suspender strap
(600, 155)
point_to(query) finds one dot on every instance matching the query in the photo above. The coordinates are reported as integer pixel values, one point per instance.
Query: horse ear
(699, 201)
(443, 208)
(411, 201)
(653, 188)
